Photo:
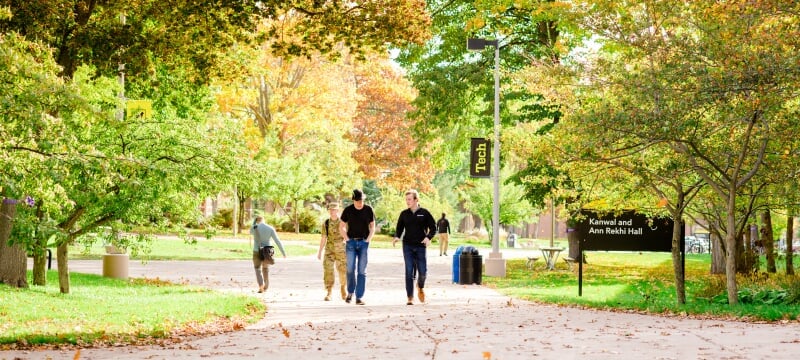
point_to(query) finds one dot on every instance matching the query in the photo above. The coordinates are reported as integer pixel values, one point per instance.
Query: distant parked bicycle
(695, 246)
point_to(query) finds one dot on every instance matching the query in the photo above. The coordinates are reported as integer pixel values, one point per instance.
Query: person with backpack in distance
(263, 235)
(333, 245)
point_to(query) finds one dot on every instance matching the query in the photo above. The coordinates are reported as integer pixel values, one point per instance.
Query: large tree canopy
(195, 35)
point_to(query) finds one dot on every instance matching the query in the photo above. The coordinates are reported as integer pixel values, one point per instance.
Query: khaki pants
(262, 268)
(443, 240)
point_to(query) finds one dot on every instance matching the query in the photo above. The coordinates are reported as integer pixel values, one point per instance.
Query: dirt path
(458, 322)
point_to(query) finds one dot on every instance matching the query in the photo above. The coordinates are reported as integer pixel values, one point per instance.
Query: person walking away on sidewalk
(443, 227)
(358, 227)
(417, 227)
(332, 243)
(263, 235)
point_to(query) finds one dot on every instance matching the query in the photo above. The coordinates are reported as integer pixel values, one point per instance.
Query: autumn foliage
(385, 149)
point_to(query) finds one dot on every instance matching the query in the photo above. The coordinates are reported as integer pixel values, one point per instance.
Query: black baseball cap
(358, 195)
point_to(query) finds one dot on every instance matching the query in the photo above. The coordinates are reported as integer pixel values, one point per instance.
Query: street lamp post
(495, 264)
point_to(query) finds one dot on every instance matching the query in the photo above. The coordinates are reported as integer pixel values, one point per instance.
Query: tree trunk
(39, 250)
(717, 251)
(573, 237)
(39, 266)
(235, 214)
(296, 220)
(677, 256)
(63, 269)
(13, 259)
(731, 248)
(789, 240)
(242, 214)
(768, 240)
(746, 256)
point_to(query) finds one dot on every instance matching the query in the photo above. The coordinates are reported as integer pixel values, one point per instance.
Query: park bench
(531, 261)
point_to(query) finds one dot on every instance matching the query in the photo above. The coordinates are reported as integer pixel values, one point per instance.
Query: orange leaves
(382, 131)
(284, 330)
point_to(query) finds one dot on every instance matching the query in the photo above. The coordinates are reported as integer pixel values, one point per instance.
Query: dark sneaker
(348, 298)
(359, 302)
(410, 300)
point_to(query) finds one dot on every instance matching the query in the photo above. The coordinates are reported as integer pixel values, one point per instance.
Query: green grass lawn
(645, 282)
(107, 311)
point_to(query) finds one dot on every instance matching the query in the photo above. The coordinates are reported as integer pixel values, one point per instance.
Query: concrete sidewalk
(457, 322)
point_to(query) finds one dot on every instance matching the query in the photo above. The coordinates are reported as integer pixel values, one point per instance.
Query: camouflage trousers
(334, 257)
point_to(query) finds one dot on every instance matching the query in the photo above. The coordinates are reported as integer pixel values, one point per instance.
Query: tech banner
(479, 159)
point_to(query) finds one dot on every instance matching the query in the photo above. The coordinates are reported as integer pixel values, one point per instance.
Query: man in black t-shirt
(358, 228)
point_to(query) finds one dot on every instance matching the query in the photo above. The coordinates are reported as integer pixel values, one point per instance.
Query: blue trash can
(456, 262)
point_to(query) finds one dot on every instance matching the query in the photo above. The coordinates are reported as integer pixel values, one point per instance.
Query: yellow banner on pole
(141, 109)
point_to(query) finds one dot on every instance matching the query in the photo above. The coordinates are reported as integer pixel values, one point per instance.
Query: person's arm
(343, 230)
(322, 241)
(371, 230)
(398, 229)
(278, 242)
(371, 225)
(431, 228)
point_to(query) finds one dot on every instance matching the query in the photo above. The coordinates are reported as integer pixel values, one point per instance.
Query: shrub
(793, 290)
(276, 219)
(713, 286)
(223, 218)
(308, 221)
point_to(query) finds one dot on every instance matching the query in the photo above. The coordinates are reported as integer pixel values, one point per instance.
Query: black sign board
(628, 231)
(479, 159)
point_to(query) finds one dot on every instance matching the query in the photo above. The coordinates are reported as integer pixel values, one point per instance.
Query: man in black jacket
(444, 234)
(417, 227)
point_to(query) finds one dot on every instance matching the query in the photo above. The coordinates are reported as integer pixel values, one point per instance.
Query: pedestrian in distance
(358, 227)
(417, 227)
(332, 244)
(443, 227)
(263, 235)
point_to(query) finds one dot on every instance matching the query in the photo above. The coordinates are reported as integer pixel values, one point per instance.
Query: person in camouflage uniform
(333, 244)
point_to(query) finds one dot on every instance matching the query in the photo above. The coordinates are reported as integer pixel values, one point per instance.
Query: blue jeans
(416, 261)
(356, 252)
